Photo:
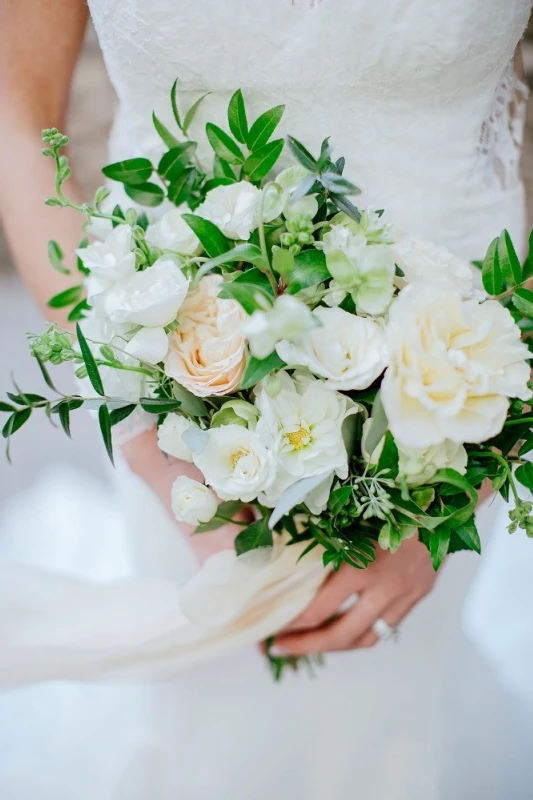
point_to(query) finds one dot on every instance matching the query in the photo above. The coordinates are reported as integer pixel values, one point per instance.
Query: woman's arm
(39, 44)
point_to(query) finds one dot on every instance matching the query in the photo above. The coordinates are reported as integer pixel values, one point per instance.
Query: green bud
(100, 195)
(52, 201)
(131, 217)
(140, 256)
(137, 232)
(295, 249)
(81, 372)
(286, 239)
(107, 352)
(153, 254)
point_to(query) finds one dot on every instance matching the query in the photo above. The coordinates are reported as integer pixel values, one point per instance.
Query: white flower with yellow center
(302, 425)
(236, 462)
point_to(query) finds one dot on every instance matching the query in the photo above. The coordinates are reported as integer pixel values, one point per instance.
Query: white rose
(169, 437)
(173, 233)
(149, 345)
(349, 351)
(108, 261)
(235, 209)
(302, 425)
(421, 260)
(236, 463)
(288, 319)
(206, 351)
(420, 465)
(192, 502)
(150, 298)
(453, 365)
(365, 270)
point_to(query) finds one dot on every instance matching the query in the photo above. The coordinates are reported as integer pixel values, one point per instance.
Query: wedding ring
(384, 631)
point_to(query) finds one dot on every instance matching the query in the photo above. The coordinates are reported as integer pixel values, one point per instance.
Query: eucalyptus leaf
(157, 405)
(195, 438)
(55, 256)
(302, 154)
(249, 288)
(190, 404)
(264, 127)
(343, 204)
(146, 194)
(133, 171)
(336, 183)
(223, 145)
(173, 161)
(68, 297)
(120, 414)
(509, 263)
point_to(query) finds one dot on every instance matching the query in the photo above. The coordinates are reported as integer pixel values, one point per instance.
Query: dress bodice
(420, 96)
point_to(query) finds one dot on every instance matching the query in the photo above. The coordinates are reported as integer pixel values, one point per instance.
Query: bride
(425, 102)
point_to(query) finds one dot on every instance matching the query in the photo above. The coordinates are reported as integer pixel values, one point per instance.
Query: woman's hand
(387, 589)
(159, 471)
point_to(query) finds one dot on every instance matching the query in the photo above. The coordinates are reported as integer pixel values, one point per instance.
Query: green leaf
(524, 474)
(190, 404)
(214, 182)
(45, 373)
(238, 124)
(221, 169)
(225, 511)
(246, 288)
(343, 204)
(64, 417)
(66, 298)
(120, 414)
(174, 102)
(527, 271)
(470, 536)
(310, 268)
(282, 262)
(255, 535)
(156, 405)
(173, 162)
(78, 312)
(378, 427)
(90, 363)
(6, 408)
(223, 145)
(491, 273)
(179, 190)
(249, 253)
(15, 422)
(264, 127)
(257, 369)
(212, 239)
(338, 499)
(388, 459)
(336, 183)
(191, 113)
(523, 301)
(55, 256)
(133, 171)
(104, 418)
(164, 132)
(509, 263)
(146, 194)
(262, 160)
(302, 154)
(439, 541)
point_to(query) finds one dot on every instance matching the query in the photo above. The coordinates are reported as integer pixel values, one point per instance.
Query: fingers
(340, 588)
(393, 615)
(342, 632)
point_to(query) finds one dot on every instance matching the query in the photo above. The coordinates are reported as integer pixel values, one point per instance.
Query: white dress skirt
(422, 100)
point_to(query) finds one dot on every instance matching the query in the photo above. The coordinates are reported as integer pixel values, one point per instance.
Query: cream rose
(192, 502)
(349, 351)
(206, 351)
(421, 260)
(453, 365)
(235, 209)
(236, 463)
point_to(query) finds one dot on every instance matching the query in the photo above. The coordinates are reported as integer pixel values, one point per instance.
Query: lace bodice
(418, 95)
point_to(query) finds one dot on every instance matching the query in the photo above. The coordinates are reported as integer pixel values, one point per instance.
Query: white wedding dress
(421, 98)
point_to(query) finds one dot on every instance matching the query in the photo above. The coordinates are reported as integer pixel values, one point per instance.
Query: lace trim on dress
(502, 132)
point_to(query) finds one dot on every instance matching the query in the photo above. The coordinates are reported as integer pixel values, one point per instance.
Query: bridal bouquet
(355, 386)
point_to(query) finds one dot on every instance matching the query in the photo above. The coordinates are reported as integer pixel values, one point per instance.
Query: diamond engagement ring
(384, 631)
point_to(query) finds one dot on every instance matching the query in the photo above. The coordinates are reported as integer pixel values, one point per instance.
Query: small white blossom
(235, 209)
(173, 233)
(192, 502)
(109, 261)
(288, 319)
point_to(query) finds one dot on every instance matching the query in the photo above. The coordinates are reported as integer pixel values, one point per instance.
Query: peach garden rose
(206, 352)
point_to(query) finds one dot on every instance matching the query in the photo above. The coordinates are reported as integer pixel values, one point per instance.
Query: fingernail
(277, 651)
